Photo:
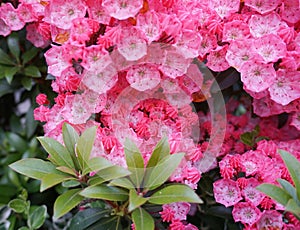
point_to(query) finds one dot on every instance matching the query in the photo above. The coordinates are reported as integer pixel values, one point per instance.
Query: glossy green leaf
(24, 228)
(18, 143)
(5, 88)
(70, 183)
(135, 200)
(70, 137)
(142, 219)
(5, 59)
(27, 83)
(159, 174)
(107, 223)
(59, 155)
(85, 145)
(32, 71)
(293, 166)
(10, 73)
(37, 217)
(30, 124)
(52, 179)
(34, 168)
(288, 187)
(175, 193)
(161, 150)
(105, 192)
(18, 205)
(13, 45)
(87, 217)
(123, 183)
(29, 55)
(96, 164)
(107, 174)
(293, 207)
(66, 202)
(135, 162)
(276, 193)
(66, 170)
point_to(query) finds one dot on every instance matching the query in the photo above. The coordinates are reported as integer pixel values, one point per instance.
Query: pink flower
(143, 77)
(100, 81)
(97, 12)
(150, 25)
(10, 17)
(261, 25)
(285, 87)
(174, 64)
(250, 192)
(4, 28)
(270, 47)
(296, 120)
(225, 7)
(133, 45)
(270, 220)
(257, 76)
(235, 30)
(61, 13)
(41, 99)
(246, 212)
(263, 6)
(167, 214)
(122, 9)
(291, 11)
(239, 52)
(227, 192)
(216, 59)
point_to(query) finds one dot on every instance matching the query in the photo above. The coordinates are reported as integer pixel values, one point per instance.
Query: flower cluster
(126, 67)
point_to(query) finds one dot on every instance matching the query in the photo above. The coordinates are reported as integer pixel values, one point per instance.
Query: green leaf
(87, 217)
(59, 155)
(135, 162)
(293, 207)
(67, 170)
(85, 145)
(34, 168)
(70, 183)
(105, 192)
(5, 88)
(32, 71)
(135, 200)
(107, 223)
(122, 182)
(37, 217)
(288, 187)
(13, 45)
(96, 164)
(10, 73)
(156, 176)
(70, 137)
(18, 143)
(142, 220)
(27, 83)
(66, 202)
(29, 55)
(18, 205)
(52, 179)
(276, 193)
(175, 193)
(293, 166)
(107, 174)
(30, 124)
(161, 150)
(23, 228)
(5, 59)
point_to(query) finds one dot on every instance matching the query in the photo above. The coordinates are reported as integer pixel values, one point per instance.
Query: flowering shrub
(132, 68)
